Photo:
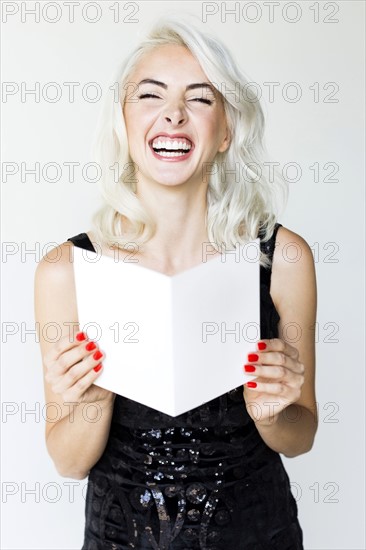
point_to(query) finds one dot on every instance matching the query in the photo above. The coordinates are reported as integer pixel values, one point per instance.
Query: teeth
(169, 153)
(161, 144)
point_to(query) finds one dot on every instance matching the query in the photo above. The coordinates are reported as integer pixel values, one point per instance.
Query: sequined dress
(203, 480)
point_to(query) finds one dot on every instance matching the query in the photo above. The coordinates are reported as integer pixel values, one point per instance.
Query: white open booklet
(171, 342)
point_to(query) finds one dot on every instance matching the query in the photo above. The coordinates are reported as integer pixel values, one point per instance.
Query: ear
(226, 141)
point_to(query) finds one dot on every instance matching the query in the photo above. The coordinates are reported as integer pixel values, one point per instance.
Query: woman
(211, 478)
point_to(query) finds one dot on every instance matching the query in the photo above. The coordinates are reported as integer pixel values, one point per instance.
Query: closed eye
(203, 100)
(147, 95)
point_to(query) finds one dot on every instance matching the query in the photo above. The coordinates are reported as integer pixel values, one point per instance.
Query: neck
(181, 232)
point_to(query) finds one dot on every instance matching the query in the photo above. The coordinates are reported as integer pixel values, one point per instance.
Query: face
(173, 127)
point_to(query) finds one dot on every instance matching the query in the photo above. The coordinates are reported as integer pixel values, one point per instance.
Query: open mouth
(164, 147)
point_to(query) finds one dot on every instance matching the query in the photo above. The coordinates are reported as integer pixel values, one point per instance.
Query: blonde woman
(211, 478)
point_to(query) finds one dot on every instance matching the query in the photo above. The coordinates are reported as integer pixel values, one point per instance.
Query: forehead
(171, 60)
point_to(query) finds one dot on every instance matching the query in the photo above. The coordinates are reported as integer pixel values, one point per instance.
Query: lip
(171, 136)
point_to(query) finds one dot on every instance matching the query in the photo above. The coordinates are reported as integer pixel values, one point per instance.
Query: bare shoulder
(54, 283)
(55, 303)
(290, 248)
(57, 264)
(293, 268)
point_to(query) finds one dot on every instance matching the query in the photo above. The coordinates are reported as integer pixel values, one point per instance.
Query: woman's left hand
(280, 376)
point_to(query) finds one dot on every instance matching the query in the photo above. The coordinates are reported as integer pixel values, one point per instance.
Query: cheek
(138, 122)
(214, 136)
(134, 131)
(213, 125)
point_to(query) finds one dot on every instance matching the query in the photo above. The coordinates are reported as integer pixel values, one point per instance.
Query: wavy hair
(242, 201)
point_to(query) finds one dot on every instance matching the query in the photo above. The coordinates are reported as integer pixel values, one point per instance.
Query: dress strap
(82, 241)
(269, 246)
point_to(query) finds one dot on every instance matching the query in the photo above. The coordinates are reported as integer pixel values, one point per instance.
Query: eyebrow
(189, 87)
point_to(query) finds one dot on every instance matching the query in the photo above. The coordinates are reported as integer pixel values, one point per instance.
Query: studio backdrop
(306, 62)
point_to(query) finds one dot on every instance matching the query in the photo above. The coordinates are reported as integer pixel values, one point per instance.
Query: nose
(175, 115)
(174, 120)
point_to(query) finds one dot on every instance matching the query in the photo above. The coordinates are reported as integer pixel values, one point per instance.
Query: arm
(74, 442)
(290, 383)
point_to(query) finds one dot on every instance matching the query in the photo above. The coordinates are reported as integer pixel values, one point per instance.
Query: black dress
(202, 480)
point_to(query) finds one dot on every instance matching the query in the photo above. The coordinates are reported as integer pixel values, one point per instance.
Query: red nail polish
(98, 367)
(261, 345)
(251, 384)
(80, 336)
(253, 357)
(90, 345)
(249, 368)
(97, 355)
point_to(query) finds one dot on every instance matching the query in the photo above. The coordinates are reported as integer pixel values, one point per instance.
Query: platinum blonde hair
(241, 199)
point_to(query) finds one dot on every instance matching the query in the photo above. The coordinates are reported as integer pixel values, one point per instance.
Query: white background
(328, 482)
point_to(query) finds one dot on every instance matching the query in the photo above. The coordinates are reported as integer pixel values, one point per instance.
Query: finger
(281, 387)
(63, 344)
(78, 370)
(271, 388)
(276, 358)
(84, 383)
(272, 372)
(70, 357)
(277, 344)
(75, 392)
(75, 356)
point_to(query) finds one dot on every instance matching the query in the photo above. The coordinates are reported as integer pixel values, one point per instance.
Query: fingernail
(90, 345)
(261, 345)
(80, 336)
(251, 384)
(249, 368)
(98, 367)
(97, 355)
(253, 357)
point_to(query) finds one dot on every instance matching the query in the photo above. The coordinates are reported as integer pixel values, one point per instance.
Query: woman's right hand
(70, 370)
